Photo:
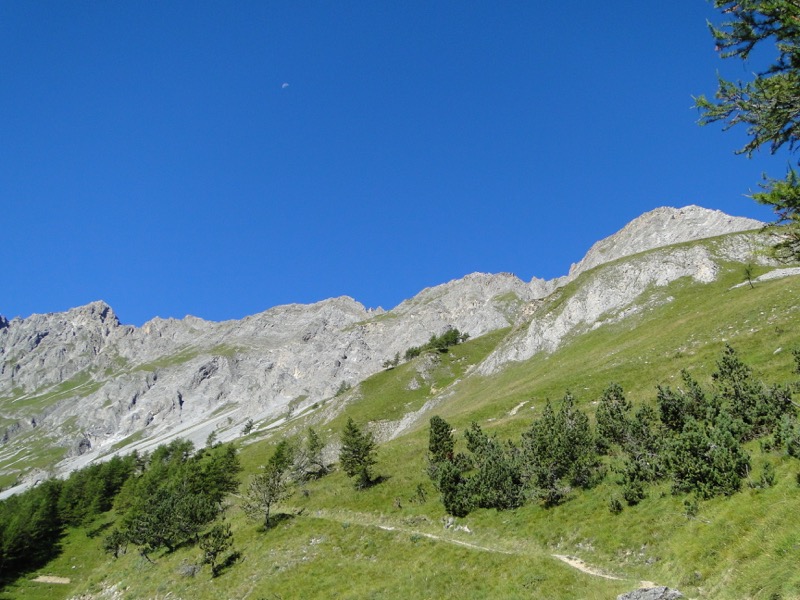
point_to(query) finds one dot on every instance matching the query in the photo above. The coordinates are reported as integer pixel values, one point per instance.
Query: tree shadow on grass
(377, 480)
(276, 519)
(13, 571)
(380, 479)
(95, 531)
(229, 561)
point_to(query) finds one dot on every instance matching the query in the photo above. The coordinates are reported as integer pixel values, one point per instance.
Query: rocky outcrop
(52, 348)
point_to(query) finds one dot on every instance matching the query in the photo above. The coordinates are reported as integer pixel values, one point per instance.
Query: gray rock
(662, 227)
(654, 593)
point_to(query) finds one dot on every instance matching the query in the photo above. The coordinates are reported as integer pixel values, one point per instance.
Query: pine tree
(769, 105)
(216, 541)
(558, 452)
(270, 486)
(218, 472)
(612, 416)
(707, 459)
(644, 447)
(497, 482)
(455, 490)
(756, 409)
(675, 407)
(357, 454)
(440, 448)
(440, 442)
(309, 462)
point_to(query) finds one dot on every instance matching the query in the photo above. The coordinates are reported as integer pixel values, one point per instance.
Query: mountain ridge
(96, 386)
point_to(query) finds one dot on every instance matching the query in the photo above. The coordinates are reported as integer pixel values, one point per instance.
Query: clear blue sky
(152, 155)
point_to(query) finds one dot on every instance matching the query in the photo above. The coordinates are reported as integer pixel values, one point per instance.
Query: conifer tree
(612, 416)
(357, 455)
(455, 490)
(755, 409)
(558, 452)
(497, 483)
(440, 442)
(271, 485)
(768, 106)
(216, 541)
(707, 459)
(309, 462)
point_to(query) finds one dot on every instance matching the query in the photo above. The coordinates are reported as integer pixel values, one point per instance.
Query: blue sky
(152, 155)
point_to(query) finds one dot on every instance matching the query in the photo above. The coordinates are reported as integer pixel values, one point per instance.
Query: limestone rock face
(661, 227)
(50, 349)
(613, 291)
(92, 385)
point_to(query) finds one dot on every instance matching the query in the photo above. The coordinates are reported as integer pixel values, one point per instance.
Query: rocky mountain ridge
(85, 381)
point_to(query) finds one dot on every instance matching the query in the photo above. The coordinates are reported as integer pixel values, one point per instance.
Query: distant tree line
(32, 523)
(164, 499)
(695, 439)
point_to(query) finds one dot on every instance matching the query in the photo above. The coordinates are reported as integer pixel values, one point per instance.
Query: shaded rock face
(50, 349)
(655, 593)
(92, 383)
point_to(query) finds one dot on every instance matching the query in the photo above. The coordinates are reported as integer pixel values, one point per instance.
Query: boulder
(653, 593)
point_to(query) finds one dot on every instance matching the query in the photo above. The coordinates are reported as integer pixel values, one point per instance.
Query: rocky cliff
(85, 382)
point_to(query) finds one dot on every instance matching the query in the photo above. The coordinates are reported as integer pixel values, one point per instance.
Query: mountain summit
(662, 227)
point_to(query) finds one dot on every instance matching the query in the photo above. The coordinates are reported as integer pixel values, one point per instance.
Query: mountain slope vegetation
(395, 539)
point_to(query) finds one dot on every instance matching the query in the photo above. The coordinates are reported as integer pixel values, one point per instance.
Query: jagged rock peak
(97, 310)
(94, 311)
(663, 227)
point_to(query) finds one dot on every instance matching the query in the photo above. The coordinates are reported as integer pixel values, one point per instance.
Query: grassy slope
(745, 546)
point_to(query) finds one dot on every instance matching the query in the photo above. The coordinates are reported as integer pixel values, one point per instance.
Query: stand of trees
(290, 464)
(32, 523)
(164, 499)
(557, 453)
(175, 497)
(438, 343)
(694, 439)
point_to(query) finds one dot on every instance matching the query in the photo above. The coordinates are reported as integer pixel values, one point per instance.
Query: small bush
(614, 506)
(633, 492)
